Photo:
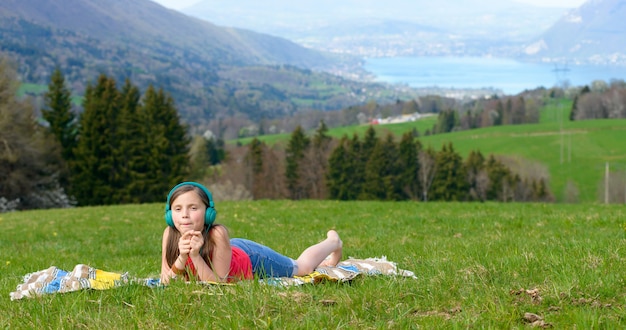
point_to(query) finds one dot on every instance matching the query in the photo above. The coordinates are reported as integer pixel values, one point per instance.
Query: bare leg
(314, 255)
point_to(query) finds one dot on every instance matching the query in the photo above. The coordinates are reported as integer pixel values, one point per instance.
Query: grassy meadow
(478, 265)
(574, 152)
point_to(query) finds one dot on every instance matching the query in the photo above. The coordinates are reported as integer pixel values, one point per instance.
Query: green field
(477, 266)
(36, 89)
(575, 152)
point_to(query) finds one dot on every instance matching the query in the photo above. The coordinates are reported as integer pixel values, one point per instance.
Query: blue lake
(509, 76)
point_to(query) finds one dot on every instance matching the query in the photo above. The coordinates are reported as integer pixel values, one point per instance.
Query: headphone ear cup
(168, 218)
(209, 216)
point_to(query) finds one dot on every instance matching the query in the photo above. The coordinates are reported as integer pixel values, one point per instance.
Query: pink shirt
(240, 266)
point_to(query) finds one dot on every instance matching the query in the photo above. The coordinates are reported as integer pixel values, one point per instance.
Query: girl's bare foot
(333, 259)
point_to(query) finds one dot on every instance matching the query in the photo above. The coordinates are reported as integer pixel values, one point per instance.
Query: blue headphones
(210, 214)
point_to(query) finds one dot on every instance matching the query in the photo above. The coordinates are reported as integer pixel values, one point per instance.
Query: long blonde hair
(172, 252)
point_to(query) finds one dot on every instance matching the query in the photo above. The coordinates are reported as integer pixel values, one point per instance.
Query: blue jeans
(265, 261)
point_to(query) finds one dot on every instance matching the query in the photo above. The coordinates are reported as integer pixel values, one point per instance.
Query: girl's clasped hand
(190, 243)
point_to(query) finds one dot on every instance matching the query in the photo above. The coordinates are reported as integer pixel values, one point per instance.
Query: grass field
(575, 152)
(477, 266)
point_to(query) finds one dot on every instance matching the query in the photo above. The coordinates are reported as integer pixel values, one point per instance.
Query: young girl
(195, 247)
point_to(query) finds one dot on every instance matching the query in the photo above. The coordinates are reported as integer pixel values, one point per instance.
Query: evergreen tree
(446, 121)
(294, 154)
(57, 111)
(449, 183)
(409, 150)
(382, 174)
(355, 169)
(94, 166)
(369, 142)
(499, 120)
(215, 151)
(339, 171)
(321, 137)
(168, 161)
(132, 147)
(500, 178)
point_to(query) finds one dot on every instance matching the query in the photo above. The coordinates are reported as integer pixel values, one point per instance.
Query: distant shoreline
(507, 75)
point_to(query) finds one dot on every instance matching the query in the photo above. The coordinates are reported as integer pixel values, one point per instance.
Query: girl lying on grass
(195, 247)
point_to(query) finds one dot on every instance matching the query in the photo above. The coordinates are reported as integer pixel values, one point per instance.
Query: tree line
(600, 101)
(375, 168)
(123, 147)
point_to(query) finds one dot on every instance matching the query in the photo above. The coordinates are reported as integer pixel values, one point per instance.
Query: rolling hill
(195, 61)
(574, 154)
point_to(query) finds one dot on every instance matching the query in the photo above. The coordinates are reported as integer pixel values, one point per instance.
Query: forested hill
(195, 61)
(145, 25)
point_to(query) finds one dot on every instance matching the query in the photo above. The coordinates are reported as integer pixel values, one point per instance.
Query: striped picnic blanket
(82, 277)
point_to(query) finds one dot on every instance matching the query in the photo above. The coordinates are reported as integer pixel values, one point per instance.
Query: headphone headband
(210, 214)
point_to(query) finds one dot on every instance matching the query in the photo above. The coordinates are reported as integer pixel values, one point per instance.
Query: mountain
(212, 72)
(387, 28)
(146, 24)
(594, 33)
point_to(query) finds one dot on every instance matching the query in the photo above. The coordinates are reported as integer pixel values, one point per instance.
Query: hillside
(197, 62)
(145, 25)
(593, 33)
(576, 154)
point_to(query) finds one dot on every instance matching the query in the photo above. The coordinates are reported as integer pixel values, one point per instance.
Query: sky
(180, 4)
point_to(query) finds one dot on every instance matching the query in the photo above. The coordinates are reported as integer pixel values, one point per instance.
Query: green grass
(575, 152)
(31, 88)
(473, 263)
(37, 89)
(578, 152)
(338, 132)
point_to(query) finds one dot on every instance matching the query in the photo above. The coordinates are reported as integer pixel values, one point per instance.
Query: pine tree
(446, 121)
(57, 111)
(369, 142)
(168, 160)
(382, 174)
(132, 148)
(294, 154)
(409, 165)
(215, 151)
(499, 119)
(339, 171)
(93, 170)
(500, 177)
(450, 183)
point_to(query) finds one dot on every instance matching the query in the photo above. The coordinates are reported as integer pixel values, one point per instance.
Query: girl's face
(188, 212)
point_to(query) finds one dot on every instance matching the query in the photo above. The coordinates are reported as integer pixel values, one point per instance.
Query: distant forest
(129, 147)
